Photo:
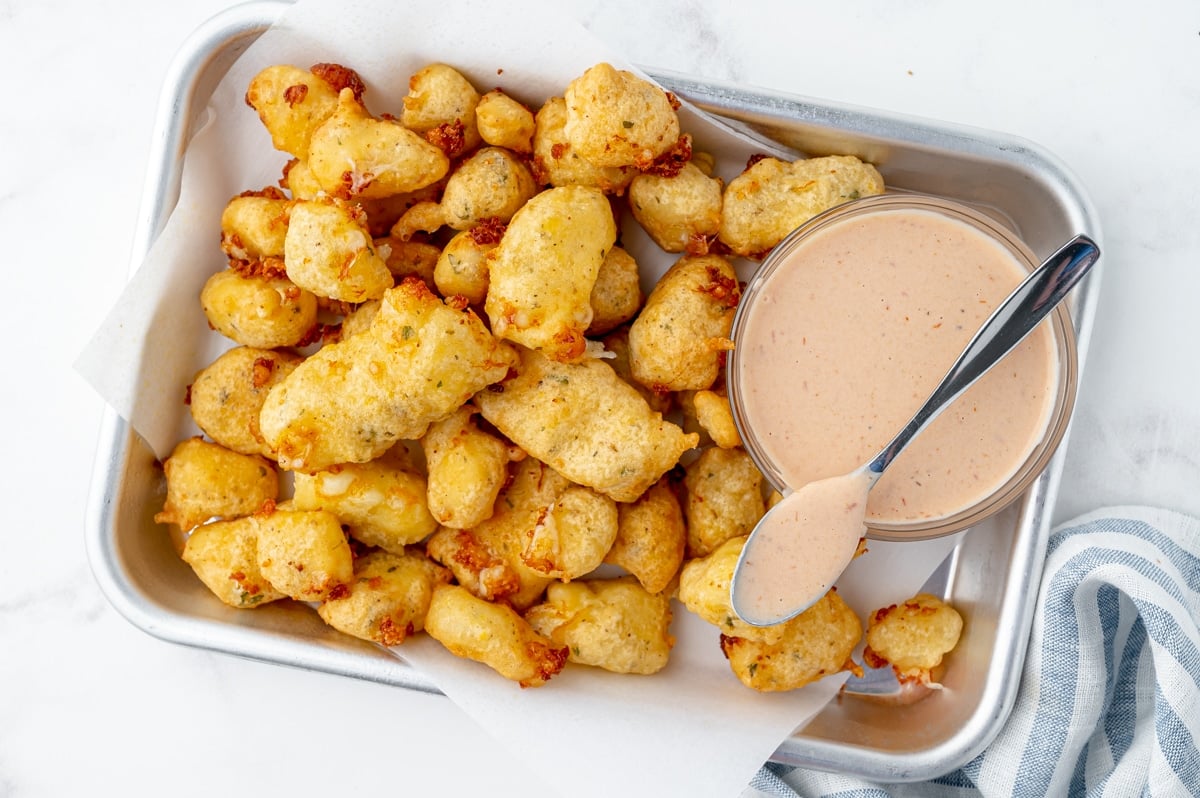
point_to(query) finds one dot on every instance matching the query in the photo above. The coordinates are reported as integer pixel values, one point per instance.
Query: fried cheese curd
(258, 307)
(505, 122)
(614, 624)
(816, 643)
(679, 340)
(467, 468)
(617, 295)
(492, 634)
(353, 154)
(359, 320)
(587, 423)
(773, 197)
(488, 559)
(573, 535)
(615, 118)
(419, 361)
(462, 267)
(254, 225)
(388, 597)
(544, 527)
(490, 185)
(542, 273)
(292, 103)
(410, 259)
(382, 503)
(440, 104)
(226, 397)
(557, 163)
(383, 213)
(681, 212)
(303, 553)
(715, 416)
(224, 555)
(912, 637)
(437, 329)
(724, 498)
(205, 480)
(616, 349)
(651, 537)
(329, 251)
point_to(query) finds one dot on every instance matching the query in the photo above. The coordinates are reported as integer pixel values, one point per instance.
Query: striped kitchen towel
(1109, 702)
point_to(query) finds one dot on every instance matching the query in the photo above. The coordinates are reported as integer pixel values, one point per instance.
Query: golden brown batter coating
(419, 361)
(772, 198)
(587, 423)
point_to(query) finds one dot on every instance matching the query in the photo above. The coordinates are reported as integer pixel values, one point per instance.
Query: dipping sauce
(853, 329)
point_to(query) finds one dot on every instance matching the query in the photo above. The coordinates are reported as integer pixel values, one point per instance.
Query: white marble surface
(90, 704)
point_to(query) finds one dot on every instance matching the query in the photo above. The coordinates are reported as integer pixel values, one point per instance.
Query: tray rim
(237, 27)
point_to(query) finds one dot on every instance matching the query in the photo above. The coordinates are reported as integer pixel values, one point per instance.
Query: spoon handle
(1008, 325)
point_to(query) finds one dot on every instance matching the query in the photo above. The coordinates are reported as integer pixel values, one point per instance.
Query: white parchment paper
(692, 729)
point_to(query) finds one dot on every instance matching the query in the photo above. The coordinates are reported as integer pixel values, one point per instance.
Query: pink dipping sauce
(846, 339)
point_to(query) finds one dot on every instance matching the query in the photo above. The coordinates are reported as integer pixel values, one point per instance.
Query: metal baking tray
(992, 574)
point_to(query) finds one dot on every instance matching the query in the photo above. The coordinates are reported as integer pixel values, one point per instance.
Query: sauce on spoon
(787, 569)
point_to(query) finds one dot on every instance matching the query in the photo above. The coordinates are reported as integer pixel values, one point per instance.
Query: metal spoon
(769, 584)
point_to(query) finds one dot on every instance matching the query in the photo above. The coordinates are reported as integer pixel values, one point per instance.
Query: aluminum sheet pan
(992, 574)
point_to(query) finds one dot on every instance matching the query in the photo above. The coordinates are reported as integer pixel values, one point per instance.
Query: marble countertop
(88, 703)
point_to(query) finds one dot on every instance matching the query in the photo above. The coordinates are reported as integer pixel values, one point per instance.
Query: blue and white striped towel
(1109, 702)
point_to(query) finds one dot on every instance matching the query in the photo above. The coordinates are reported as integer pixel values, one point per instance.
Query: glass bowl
(1063, 344)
